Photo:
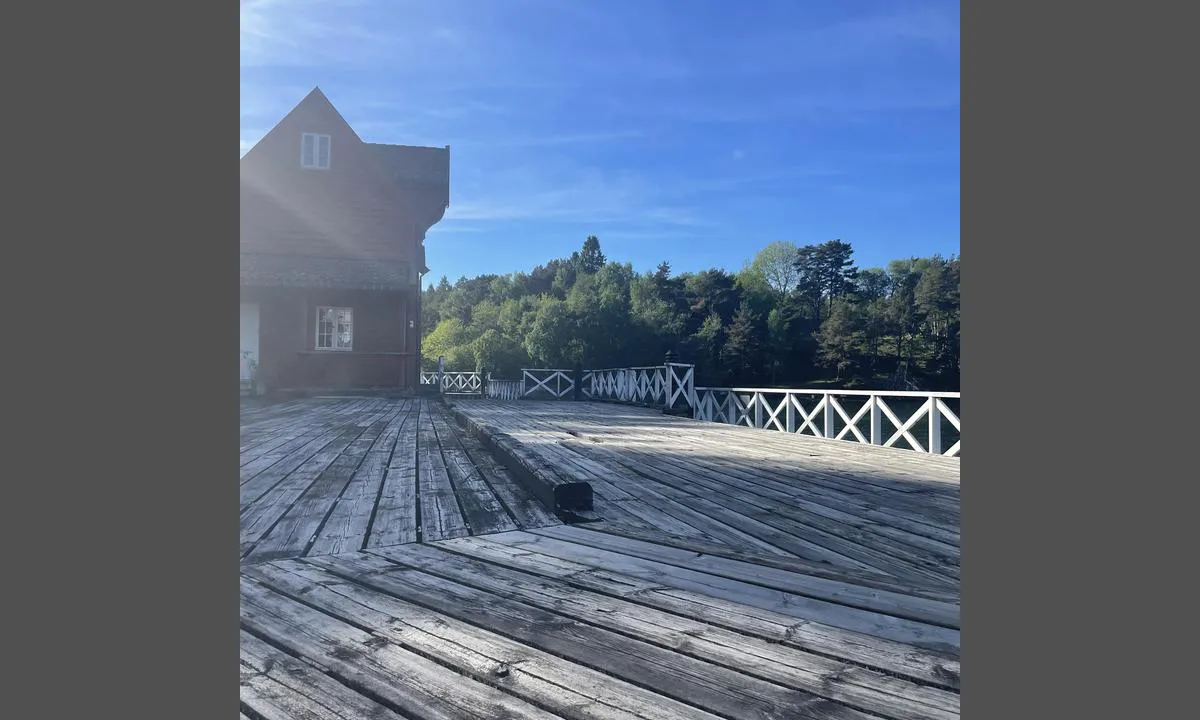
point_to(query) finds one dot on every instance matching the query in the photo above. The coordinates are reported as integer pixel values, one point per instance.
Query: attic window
(314, 151)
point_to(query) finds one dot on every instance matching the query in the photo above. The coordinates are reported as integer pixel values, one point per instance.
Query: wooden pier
(399, 561)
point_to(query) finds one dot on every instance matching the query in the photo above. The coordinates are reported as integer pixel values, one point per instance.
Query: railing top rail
(810, 391)
(561, 370)
(622, 369)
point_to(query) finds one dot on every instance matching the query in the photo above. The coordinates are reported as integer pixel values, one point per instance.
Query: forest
(794, 316)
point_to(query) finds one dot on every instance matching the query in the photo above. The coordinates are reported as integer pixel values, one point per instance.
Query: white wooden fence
(505, 389)
(926, 422)
(873, 418)
(666, 386)
(455, 382)
(546, 382)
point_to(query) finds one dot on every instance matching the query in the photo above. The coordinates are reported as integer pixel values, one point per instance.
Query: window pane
(306, 150)
(345, 329)
(323, 151)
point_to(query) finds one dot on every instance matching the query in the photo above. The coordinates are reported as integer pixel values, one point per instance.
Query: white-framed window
(315, 151)
(335, 328)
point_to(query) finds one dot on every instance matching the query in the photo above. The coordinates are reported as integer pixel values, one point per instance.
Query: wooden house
(332, 254)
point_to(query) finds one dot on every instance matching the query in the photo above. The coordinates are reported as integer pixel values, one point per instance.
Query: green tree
(550, 333)
(448, 339)
(757, 325)
(704, 347)
(590, 259)
(937, 304)
(842, 339)
(778, 337)
(825, 272)
(499, 354)
(776, 265)
(742, 353)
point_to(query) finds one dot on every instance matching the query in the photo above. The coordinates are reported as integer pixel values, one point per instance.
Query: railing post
(578, 384)
(829, 432)
(876, 421)
(668, 373)
(935, 427)
(758, 408)
(791, 412)
(689, 394)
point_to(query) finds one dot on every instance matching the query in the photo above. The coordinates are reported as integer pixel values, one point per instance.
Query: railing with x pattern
(505, 389)
(666, 386)
(927, 422)
(546, 382)
(922, 421)
(455, 382)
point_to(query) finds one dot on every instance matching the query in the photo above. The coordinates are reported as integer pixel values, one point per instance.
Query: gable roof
(339, 235)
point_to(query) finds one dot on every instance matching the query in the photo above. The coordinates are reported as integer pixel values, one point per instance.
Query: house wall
(384, 352)
(351, 209)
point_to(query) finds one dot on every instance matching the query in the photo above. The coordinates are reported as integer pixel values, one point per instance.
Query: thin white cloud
(545, 192)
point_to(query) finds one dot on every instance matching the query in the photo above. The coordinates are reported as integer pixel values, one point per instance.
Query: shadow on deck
(400, 561)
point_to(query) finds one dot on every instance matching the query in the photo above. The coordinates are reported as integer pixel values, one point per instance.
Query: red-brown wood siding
(384, 350)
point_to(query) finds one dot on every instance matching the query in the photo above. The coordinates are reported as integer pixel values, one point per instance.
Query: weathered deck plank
(787, 502)
(395, 519)
(441, 516)
(297, 528)
(551, 682)
(937, 667)
(684, 678)
(278, 685)
(324, 476)
(866, 690)
(733, 573)
(346, 527)
(483, 510)
(405, 681)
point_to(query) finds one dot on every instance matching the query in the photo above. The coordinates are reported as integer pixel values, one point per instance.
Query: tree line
(795, 316)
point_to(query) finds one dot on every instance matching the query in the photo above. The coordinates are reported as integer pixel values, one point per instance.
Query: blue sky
(693, 131)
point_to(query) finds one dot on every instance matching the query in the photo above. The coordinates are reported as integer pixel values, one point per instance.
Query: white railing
(556, 383)
(663, 386)
(925, 425)
(505, 389)
(455, 382)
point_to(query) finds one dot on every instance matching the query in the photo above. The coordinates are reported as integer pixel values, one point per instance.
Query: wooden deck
(732, 573)
(323, 476)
